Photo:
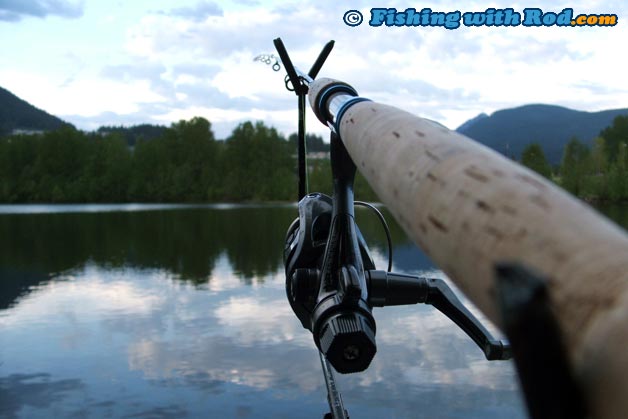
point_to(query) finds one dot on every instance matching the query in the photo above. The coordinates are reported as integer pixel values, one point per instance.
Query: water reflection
(183, 313)
(38, 390)
(187, 243)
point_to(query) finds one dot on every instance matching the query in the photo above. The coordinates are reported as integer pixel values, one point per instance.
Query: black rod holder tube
(545, 373)
(292, 74)
(316, 67)
(302, 149)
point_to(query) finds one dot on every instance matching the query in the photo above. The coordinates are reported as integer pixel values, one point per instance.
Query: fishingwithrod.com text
(530, 17)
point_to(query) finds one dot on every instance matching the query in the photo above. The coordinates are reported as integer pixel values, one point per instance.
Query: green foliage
(65, 165)
(319, 176)
(575, 165)
(615, 135)
(134, 133)
(313, 143)
(592, 174)
(320, 180)
(185, 164)
(618, 175)
(599, 156)
(259, 163)
(534, 158)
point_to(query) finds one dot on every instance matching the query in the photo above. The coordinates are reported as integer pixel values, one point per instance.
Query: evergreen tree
(596, 181)
(184, 164)
(319, 176)
(259, 164)
(106, 171)
(615, 135)
(618, 175)
(599, 156)
(534, 158)
(574, 166)
(195, 160)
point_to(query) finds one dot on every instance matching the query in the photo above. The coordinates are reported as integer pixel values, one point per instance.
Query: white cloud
(257, 323)
(198, 57)
(81, 96)
(198, 12)
(94, 297)
(16, 10)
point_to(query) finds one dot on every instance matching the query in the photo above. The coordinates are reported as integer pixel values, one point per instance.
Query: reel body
(327, 297)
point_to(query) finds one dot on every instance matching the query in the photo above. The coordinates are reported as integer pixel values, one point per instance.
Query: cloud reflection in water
(135, 338)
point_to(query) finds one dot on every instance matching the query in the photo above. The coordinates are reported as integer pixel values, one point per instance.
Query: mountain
(17, 114)
(471, 122)
(509, 131)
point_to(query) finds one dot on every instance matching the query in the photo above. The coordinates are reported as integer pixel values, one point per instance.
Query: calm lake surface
(153, 311)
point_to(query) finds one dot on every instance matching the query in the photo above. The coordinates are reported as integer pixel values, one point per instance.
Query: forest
(185, 163)
(596, 173)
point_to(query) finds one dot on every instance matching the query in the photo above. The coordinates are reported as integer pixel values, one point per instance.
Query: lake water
(155, 311)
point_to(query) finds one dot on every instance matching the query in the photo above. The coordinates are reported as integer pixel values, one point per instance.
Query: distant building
(318, 155)
(315, 155)
(27, 131)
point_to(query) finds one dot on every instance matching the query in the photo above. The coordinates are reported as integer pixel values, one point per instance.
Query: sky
(110, 62)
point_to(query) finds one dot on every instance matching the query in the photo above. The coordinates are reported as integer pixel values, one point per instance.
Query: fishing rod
(332, 283)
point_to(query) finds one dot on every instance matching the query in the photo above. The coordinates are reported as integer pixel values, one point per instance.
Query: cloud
(199, 58)
(249, 3)
(135, 71)
(218, 36)
(226, 45)
(201, 11)
(84, 301)
(225, 93)
(200, 70)
(539, 50)
(237, 345)
(596, 89)
(223, 120)
(16, 10)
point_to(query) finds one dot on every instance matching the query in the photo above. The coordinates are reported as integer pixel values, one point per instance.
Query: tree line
(255, 163)
(596, 173)
(184, 164)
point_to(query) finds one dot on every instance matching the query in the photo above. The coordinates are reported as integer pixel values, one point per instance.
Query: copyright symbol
(352, 18)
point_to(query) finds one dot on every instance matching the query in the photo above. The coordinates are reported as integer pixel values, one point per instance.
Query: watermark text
(529, 17)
